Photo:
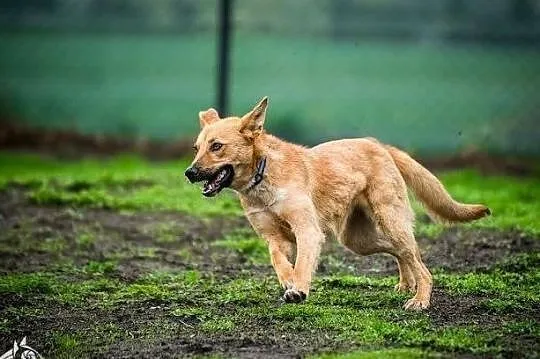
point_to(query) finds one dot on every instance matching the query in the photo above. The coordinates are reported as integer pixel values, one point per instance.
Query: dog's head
(225, 151)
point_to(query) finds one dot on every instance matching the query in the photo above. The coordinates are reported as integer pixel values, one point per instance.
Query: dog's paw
(416, 304)
(405, 287)
(294, 296)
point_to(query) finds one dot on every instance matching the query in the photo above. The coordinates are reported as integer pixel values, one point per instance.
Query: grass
(458, 96)
(247, 245)
(222, 325)
(164, 232)
(514, 202)
(85, 239)
(100, 268)
(96, 284)
(53, 245)
(379, 354)
(109, 184)
(360, 310)
(66, 345)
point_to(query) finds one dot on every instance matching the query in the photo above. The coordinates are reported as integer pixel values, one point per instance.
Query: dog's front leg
(309, 239)
(280, 245)
(280, 250)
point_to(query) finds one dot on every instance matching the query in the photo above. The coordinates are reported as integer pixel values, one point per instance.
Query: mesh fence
(435, 77)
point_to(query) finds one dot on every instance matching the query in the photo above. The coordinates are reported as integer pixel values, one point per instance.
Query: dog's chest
(265, 199)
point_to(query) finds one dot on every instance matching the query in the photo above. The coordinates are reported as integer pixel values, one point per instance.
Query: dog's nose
(191, 173)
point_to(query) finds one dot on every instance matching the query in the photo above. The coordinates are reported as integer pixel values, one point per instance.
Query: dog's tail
(432, 193)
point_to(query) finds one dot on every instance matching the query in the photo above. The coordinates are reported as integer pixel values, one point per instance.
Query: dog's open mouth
(221, 179)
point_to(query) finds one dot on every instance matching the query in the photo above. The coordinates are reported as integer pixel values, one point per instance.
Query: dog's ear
(253, 121)
(207, 117)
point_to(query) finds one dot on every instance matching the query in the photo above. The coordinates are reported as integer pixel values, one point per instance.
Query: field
(123, 258)
(154, 85)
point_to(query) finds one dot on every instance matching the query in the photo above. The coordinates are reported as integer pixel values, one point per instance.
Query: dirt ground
(125, 236)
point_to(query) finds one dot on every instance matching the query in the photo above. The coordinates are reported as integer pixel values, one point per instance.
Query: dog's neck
(274, 152)
(262, 152)
(258, 176)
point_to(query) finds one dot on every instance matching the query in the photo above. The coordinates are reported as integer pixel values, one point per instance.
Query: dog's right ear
(207, 117)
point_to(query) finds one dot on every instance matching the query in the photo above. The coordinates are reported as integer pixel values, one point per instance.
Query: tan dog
(352, 189)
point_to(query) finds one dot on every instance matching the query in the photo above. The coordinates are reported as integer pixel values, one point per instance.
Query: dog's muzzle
(215, 181)
(193, 174)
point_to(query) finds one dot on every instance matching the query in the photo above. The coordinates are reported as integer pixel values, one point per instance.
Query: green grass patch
(513, 200)
(528, 327)
(79, 342)
(66, 345)
(430, 230)
(190, 312)
(511, 289)
(523, 285)
(218, 325)
(56, 287)
(244, 242)
(189, 277)
(243, 291)
(394, 353)
(85, 239)
(165, 232)
(512, 285)
(364, 311)
(53, 245)
(100, 268)
(109, 184)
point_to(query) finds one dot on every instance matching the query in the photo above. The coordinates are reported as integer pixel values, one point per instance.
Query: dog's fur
(351, 189)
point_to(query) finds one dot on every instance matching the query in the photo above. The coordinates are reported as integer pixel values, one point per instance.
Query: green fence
(428, 81)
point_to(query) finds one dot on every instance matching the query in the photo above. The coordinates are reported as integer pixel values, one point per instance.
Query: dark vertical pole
(224, 41)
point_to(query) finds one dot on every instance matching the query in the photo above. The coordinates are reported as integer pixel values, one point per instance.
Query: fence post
(223, 58)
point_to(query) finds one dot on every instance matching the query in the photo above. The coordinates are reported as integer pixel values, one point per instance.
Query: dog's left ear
(253, 121)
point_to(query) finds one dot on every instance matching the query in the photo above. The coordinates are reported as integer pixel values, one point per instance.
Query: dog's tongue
(213, 186)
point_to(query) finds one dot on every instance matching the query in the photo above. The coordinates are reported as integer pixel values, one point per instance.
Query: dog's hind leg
(392, 212)
(362, 237)
(407, 283)
(421, 299)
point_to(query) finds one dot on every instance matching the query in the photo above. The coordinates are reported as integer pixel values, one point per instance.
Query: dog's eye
(216, 146)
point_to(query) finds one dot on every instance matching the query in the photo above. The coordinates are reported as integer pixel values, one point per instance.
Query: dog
(294, 197)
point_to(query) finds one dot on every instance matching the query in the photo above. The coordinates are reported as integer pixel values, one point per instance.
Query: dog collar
(259, 173)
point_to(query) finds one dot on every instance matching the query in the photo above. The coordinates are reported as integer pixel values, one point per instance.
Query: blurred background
(436, 77)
